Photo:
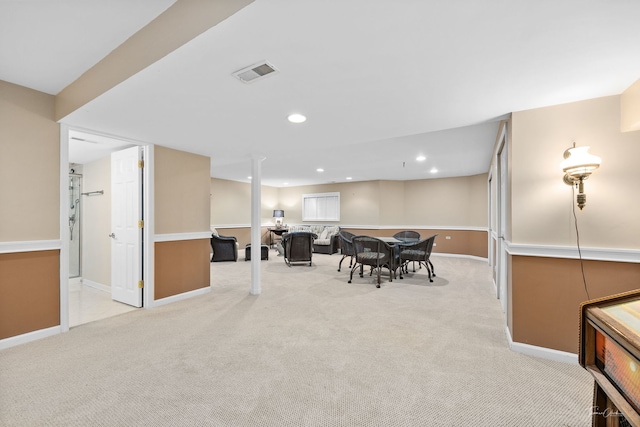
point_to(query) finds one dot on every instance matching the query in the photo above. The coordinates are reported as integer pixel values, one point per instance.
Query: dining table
(395, 245)
(390, 240)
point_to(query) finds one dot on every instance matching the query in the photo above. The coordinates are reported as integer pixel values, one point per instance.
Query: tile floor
(87, 304)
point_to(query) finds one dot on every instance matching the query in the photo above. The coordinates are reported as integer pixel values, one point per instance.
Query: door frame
(147, 217)
(491, 243)
(502, 192)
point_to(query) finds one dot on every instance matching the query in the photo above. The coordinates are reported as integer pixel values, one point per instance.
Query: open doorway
(89, 295)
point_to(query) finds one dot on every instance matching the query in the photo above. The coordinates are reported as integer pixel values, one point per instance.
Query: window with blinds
(321, 207)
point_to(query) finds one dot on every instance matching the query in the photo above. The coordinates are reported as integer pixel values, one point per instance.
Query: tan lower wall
(181, 266)
(546, 293)
(243, 234)
(29, 292)
(462, 242)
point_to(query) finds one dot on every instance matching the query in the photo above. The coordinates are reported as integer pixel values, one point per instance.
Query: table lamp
(278, 215)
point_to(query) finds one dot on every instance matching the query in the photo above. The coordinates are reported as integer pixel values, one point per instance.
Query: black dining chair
(346, 247)
(408, 236)
(419, 252)
(374, 253)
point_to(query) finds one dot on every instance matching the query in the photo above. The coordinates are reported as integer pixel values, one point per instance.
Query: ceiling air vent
(254, 72)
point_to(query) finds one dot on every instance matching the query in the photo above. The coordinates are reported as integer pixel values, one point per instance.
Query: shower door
(74, 225)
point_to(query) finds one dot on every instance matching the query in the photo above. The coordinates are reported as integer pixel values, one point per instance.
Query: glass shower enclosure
(75, 184)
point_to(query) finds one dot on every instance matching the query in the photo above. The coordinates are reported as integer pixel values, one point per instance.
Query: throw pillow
(324, 233)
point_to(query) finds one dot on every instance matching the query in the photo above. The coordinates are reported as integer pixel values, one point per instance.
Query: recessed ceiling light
(248, 177)
(421, 158)
(296, 118)
(285, 183)
(433, 170)
(319, 170)
(348, 178)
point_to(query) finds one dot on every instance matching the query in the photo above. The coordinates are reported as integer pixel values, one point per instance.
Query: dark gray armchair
(225, 248)
(298, 247)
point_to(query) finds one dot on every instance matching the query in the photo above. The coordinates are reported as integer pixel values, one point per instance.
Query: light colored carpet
(311, 350)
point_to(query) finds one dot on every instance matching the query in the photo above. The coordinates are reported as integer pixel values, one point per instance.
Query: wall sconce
(278, 215)
(577, 165)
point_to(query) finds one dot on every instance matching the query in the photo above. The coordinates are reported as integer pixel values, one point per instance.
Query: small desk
(277, 232)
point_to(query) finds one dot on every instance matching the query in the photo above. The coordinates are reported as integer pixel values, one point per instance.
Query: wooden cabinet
(610, 351)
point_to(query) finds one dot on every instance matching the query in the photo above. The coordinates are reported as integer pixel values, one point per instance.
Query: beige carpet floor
(311, 350)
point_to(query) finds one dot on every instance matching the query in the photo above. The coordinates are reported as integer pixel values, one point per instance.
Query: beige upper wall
(182, 186)
(269, 201)
(446, 202)
(630, 108)
(29, 165)
(359, 201)
(96, 222)
(542, 203)
(392, 202)
(231, 203)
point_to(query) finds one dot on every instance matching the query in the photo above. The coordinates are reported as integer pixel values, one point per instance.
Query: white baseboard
(96, 285)
(460, 256)
(28, 337)
(180, 297)
(542, 352)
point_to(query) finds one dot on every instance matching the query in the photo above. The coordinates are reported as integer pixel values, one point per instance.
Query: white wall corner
(541, 352)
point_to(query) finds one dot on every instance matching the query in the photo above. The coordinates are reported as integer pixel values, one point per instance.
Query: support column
(256, 217)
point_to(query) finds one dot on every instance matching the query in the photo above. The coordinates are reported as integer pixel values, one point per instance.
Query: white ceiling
(380, 81)
(47, 44)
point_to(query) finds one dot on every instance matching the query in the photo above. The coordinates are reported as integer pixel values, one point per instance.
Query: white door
(126, 233)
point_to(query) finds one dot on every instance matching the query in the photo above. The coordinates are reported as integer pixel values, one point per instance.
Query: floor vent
(254, 72)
